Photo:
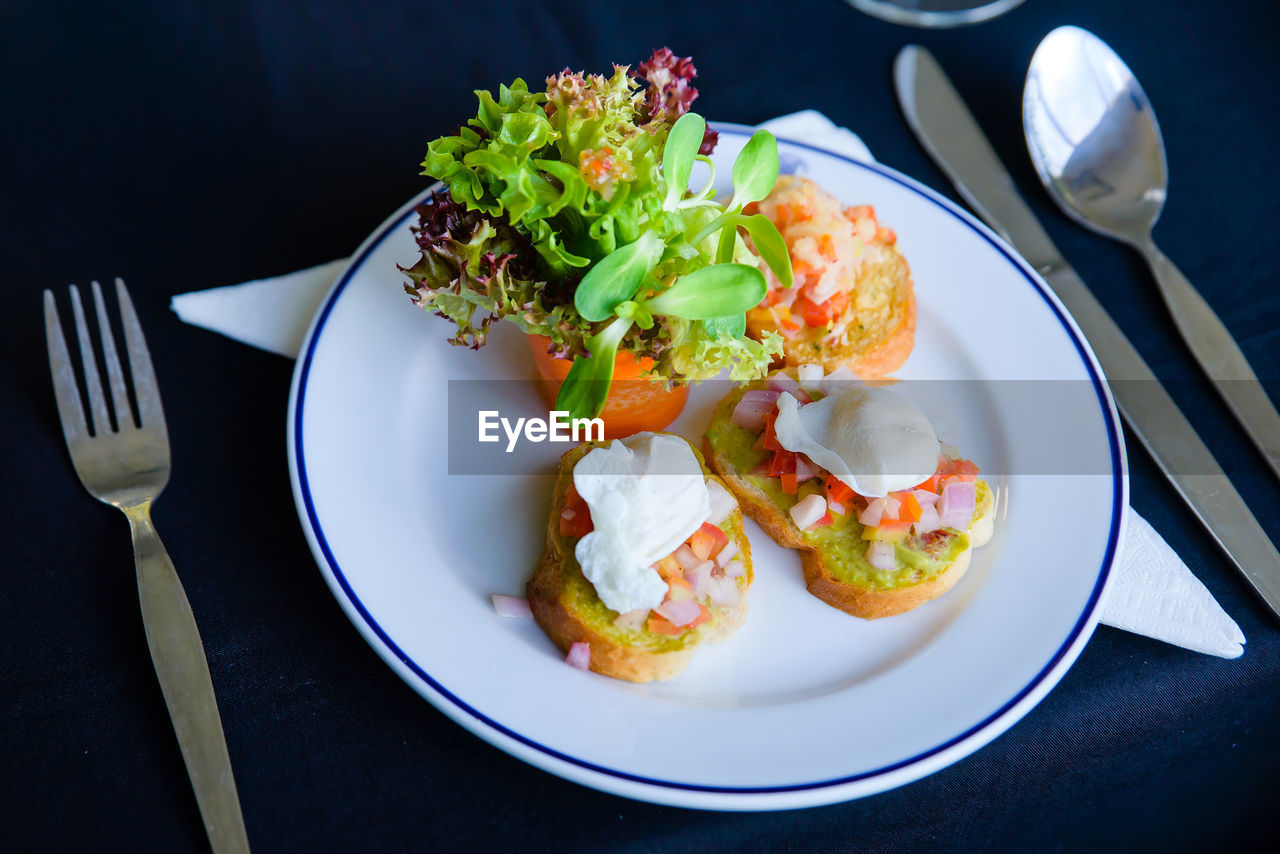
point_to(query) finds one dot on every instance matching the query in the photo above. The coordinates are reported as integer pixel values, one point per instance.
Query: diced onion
(511, 606)
(751, 409)
(929, 519)
(734, 569)
(726, 554)
(686, 558)
(805, 469)
(873, 514)
(808, 510)
(880, 554)
(957, 505)
(781, 382)
(722, 502)
(632, 620)
(839, 380)
(679, 613)
(699, 577)
(836, 507)
(568, 513)
(724, 591)
(810, 376)
(924, 496)
(891, 507)
(579, 656)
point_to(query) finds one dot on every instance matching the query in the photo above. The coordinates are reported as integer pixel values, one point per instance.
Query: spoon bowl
(1093, 135)
(1095, 143)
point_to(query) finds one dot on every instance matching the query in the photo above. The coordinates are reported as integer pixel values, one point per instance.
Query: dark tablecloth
(185, 145)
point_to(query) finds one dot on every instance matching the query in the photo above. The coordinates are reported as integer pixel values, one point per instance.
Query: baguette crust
(566, 625)
(865, 602)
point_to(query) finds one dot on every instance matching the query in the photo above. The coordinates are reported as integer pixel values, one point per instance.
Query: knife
(948, 131)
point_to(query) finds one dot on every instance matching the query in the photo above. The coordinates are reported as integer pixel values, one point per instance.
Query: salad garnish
(568, 212)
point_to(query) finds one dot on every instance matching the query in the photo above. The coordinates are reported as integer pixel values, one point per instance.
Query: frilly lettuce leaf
(541, 185)
(474, 271)
(694, 355)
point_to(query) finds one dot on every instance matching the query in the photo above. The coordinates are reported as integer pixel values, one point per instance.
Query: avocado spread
(922, 556)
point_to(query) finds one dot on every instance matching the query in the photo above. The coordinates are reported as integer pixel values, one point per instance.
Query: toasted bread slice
(874, 342)
(869, 595)
(875, 333)
(565, 604)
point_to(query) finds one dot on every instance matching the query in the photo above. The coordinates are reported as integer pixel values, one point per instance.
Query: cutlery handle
(1218, 354)
(183, 672)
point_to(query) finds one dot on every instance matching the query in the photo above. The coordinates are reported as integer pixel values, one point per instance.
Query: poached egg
(871, 439)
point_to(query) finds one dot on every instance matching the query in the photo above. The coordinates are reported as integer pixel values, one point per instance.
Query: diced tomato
(768, 440)
(575, 519)
(814, 314)
(678, 590)
(703, 615)
(931, 485)
(789, 485)
(788, 325)
(909, 509)
(709, 537)
(858, 212)
(820, 314)
(962, 470)
(791, 212)
(890, 531)
(784, 462)
(839, 303)
(668, 568)
(801, 267)
(662, 626)
(837, 490)
(773, 297)
(827, 247)
(885, 235)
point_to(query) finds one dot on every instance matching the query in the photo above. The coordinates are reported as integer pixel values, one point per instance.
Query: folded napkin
(1151, 591)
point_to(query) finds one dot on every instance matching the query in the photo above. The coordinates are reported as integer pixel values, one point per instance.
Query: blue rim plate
(805, 705)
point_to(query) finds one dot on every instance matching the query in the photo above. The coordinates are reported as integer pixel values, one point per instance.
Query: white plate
(804, 705)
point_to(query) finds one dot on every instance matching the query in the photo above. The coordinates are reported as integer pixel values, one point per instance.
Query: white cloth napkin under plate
(1151, 591)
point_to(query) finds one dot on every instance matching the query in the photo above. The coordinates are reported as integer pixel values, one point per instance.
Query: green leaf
(728, 240)
(756, 169)
(587, 385)
(769, 245)
(635, 311)
(712, 292)
(616, 277)
(734, 326)
(682, 146)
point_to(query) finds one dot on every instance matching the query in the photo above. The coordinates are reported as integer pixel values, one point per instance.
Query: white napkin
(1151, 591)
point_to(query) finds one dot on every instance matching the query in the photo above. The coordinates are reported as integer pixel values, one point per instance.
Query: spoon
(1095, 143)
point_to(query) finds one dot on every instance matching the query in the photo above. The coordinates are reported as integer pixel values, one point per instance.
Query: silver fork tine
(92, 379)
(115, 377)
(150, 413)
(70, 412)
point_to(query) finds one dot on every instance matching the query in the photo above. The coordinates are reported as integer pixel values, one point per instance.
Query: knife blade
(949, 133)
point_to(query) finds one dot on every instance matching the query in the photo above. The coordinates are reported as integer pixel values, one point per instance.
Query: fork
(127, 466)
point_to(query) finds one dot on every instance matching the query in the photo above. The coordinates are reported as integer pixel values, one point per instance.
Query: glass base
(934, 13)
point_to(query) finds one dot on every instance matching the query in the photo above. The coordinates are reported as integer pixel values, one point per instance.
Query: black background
(183, 145)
